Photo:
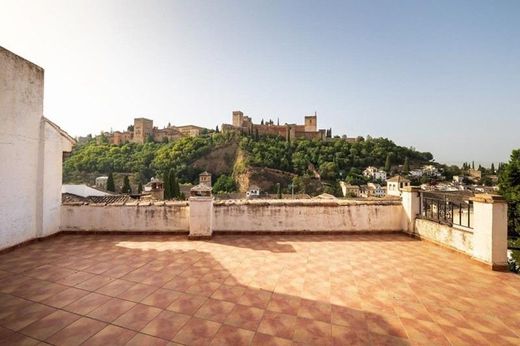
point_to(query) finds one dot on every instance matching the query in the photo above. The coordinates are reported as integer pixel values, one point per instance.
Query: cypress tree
(388, 163)
(126, 185)
(166, 185)
(140, 187)
(492, 168)
(278, 191)
(406, 166)
(172, 184)
(110, 183)
(472, 164)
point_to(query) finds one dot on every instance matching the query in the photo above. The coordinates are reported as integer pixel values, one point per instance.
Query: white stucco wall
(30, 153)
(456, 238)
(21, 110)
(55, 144)
(172, 217)
(301, 216)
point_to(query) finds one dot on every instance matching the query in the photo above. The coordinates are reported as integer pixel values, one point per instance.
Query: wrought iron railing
(448, 208)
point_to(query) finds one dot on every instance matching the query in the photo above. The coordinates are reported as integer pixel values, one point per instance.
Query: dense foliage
(148, 159)
(333, 158)
(509, 184)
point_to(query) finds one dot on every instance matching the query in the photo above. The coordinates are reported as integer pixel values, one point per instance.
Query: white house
(253, 191)
(101, 182)
(31, 148)
(372, 190)
(374, 173)
(416, 173)
(430, 171)
(395, 184)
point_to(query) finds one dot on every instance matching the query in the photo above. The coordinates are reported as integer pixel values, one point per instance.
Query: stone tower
(205, 179)
(311, 123)
(238, 118)
(142, 129)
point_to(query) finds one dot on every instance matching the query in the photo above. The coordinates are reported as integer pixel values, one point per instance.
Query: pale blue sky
(442, 76)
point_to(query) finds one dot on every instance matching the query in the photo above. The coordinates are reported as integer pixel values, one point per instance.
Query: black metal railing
(448, 208)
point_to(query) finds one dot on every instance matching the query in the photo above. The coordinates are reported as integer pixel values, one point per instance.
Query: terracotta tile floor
(252, 290)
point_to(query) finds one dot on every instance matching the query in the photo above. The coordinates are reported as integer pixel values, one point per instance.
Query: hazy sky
(442, 76)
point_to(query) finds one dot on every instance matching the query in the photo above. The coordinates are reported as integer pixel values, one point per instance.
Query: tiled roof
(69, 198)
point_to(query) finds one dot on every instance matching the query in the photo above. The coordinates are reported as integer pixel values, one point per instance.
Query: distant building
(101, 182)
(430, 171)
(143, 129)
(371, 190)
(155, 188)
(374, 173)
(416, 173)
(395, 184)
(309, 129)
(253, 191)
(349, 190)
(205, 178)
(475, 174)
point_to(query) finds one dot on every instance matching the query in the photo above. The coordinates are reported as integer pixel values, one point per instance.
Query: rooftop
(259, 290)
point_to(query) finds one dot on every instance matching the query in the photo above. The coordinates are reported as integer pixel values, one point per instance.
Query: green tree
(173, 184)
(388, 162)
(166, 186)
(224, 184)
(126, 185)
(509, 185)
(140, 187)
(493, 168)
(278, 190)
(406, 166)
(110, 183)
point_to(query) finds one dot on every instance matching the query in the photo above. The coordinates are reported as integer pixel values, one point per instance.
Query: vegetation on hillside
(332, 159)
(509, 184)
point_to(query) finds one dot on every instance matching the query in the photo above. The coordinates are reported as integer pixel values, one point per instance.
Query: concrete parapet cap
(304, 202)
(411, 189)
(488, 198)
(200, 199)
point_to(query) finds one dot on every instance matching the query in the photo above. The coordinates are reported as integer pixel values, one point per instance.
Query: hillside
(263, 161)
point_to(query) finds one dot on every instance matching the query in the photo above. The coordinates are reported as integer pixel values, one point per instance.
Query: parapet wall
(240, 216)
(307, 216)
(459, 239)
(171, 217)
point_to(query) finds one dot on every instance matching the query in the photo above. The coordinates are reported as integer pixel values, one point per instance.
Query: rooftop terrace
(252, 290)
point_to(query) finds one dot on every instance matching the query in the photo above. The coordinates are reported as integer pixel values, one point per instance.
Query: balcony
(375, 289)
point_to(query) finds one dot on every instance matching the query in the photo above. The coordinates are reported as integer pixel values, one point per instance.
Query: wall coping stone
(488, 198)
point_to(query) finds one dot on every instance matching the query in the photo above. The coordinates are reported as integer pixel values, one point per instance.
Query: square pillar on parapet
(201, 212)
(411, 201)
(490, 230)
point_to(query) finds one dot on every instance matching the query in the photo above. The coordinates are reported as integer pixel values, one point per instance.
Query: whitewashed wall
(31, 150)
(302, 216)
(456, 238)
(173, 217)
(21, 109)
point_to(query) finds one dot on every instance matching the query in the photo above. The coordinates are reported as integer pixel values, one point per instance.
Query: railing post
(490, 230)
(411, 201)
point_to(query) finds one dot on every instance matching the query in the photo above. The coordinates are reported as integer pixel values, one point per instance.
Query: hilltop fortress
(308, 130)
(143, 130)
